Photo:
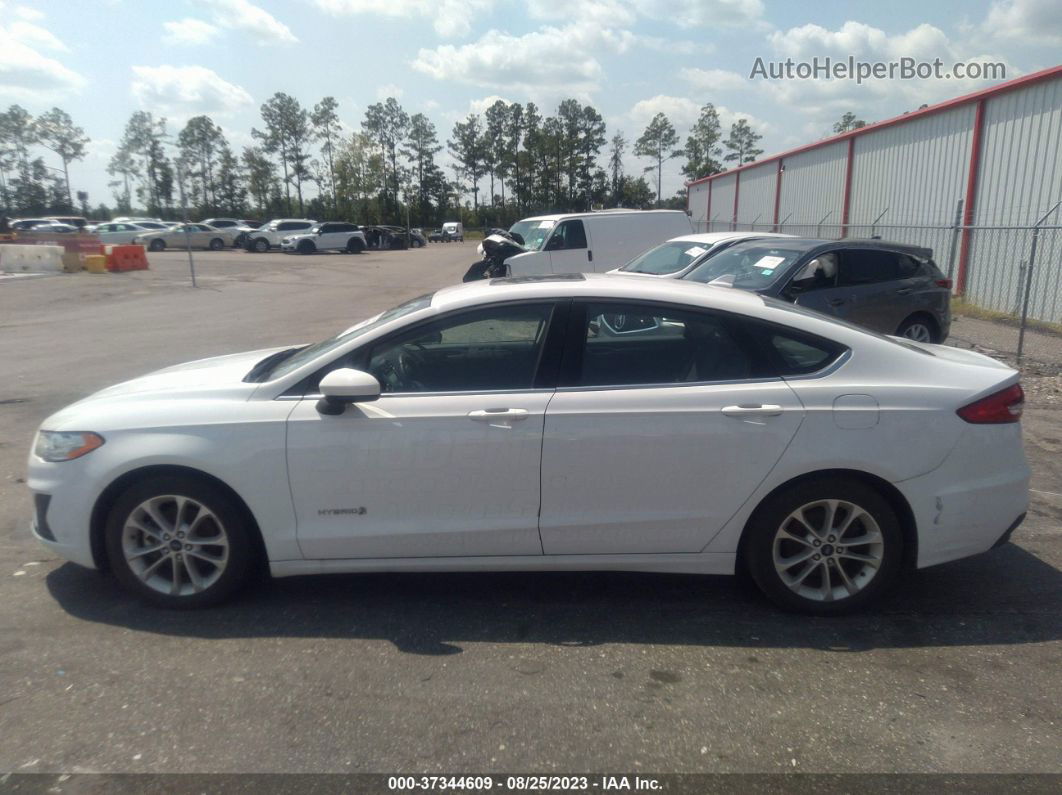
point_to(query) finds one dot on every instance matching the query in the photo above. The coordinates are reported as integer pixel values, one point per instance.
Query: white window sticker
(768, 263)
(696, 251)
(545, 224)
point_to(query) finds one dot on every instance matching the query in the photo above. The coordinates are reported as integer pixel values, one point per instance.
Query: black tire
(260, 245)
(919, 325)
(234, 526)
(217, 244)
(766, 524)
(306, 247)
(157, 245)
(355, 246)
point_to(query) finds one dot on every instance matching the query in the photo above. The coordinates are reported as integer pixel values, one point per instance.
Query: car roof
(597, 285)
(718, 237)
(812, 243)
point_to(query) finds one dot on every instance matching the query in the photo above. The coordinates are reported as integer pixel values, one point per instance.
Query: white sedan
(492, 426)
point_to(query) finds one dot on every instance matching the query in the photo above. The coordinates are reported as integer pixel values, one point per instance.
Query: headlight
(55, 446)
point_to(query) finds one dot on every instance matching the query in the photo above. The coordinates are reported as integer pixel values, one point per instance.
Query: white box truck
(594, 241)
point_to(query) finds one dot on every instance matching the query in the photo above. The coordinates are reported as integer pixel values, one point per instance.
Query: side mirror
(344, 386)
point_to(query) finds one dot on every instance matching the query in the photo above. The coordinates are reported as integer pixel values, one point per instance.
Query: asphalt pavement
(960, 670)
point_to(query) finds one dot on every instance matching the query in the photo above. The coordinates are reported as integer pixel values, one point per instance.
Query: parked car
(245, 227)
(435, 236)
(586, 242)
(183, 235)
(327, 236)
(888, 287)
(488, 427)
(136, 219)
(385, 238)
(417, 238)
(270, 235)
(72, 220)
(678, 256)
(24, 224)
(114, 233)
(453, 230)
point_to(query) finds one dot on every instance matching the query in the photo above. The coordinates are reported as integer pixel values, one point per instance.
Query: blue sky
(102, 59)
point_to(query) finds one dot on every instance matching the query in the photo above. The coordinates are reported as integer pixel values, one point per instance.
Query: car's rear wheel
(261, 245)
(157, 245)
(217, 244)
(920, 328)
(178, 542)
(355, 246)
(824, 547)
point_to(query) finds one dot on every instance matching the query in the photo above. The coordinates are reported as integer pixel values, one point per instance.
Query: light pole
(184, 211)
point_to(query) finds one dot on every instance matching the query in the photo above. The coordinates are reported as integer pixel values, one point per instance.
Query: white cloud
(188, 32)
(548, 59)
(35, 36)
(250, 20)
(714, 79)
(1025, 20)
(698, 13)
(603, 13)
(389, 90)
(449, 17)
(480, 105)
(28, 13)
(181, 91)
(26, 74)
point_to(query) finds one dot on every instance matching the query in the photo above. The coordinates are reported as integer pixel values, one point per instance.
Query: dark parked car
(435, 236)
(892, 288)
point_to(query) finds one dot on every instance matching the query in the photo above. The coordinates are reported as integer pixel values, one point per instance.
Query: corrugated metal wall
(917, 171)
(1020, 179)
(722, 210)
(756, 196)
(698, 206)
(813, 189)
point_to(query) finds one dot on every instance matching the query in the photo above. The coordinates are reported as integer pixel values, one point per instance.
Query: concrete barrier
(71, 261)
(96, 263)
(126, 258)
(16, 258)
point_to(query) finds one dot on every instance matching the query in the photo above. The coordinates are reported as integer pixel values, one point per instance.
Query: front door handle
(752, 410)
(491, 415)
(903, 290)
(835, 301)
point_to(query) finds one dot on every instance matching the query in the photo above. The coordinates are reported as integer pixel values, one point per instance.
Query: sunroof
(540, 277)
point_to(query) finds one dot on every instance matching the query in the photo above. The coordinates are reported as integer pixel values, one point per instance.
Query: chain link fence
(1009, 294)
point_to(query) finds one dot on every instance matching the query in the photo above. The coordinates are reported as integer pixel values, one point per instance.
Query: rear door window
(867, 266)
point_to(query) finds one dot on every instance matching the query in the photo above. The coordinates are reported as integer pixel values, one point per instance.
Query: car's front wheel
(355, 246)
(217, 244)
(825, 547)
(261, 245)
(179, 542)
(306, 247)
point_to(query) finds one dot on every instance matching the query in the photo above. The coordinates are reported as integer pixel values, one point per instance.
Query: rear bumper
(980, 492)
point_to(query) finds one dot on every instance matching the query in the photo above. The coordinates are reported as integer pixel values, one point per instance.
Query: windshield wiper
(261, 371)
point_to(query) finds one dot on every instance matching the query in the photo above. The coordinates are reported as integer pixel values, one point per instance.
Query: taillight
(1004, 406)
(943, 283)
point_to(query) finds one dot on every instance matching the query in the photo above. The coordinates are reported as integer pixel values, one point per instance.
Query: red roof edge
(1002, 88)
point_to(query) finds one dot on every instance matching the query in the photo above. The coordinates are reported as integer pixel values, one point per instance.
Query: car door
(447, 461)
(869, 280)
(332, 236)
(569, 248)
(815, 286)
(656, 437)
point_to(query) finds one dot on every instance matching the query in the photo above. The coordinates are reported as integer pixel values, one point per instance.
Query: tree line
(509, 161)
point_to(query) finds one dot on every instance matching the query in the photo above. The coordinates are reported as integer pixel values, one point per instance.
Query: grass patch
(964, 309)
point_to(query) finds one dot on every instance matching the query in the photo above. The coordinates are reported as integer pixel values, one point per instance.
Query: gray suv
(892, 288)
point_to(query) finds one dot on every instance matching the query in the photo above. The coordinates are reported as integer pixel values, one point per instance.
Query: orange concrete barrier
(126, 258)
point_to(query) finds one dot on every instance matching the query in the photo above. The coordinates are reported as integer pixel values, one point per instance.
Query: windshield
(670, 257)
(310, 352)
(534, 233)
(753, 267)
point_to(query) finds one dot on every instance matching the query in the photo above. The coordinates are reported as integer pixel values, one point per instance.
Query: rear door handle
(835, 301)
(752, 410)
(903, 290)
(589, 255)
(491, 415)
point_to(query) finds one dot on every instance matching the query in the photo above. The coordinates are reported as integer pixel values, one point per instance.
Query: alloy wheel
(919, 332)
(175, 545)
(828, 550)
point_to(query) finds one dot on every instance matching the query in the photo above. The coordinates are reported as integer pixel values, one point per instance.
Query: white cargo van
(596, 241)
(453, 230)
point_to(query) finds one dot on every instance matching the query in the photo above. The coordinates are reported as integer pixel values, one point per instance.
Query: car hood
(205, 379)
